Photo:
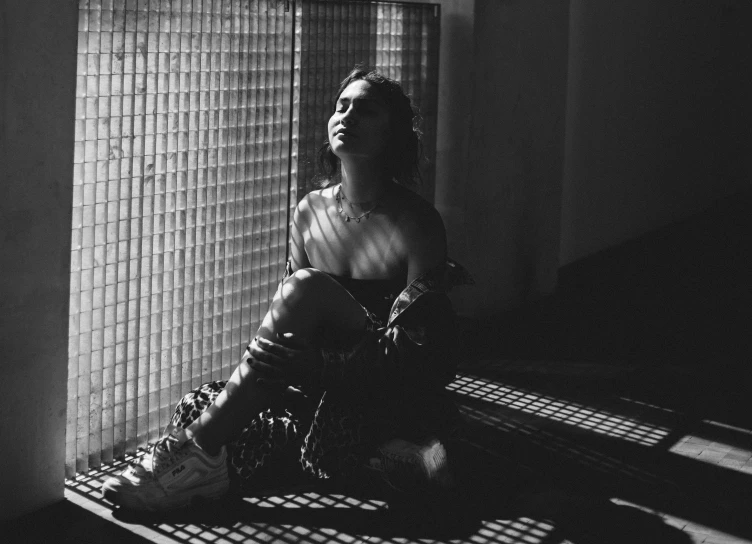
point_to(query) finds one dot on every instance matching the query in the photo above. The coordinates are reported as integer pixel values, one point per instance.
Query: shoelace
(165, 452)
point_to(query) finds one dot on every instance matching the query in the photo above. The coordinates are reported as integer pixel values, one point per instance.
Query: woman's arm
(288, 357)
(423, 361)
(298, 230)
(425, 239)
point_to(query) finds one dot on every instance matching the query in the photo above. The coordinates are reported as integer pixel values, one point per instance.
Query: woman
(361, 323)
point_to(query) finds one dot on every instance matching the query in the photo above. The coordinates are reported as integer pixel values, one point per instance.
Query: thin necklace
(340, 197)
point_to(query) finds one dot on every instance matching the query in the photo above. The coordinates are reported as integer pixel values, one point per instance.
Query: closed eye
(361, 105)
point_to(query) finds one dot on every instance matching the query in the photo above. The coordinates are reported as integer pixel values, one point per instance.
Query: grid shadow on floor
(552, 454)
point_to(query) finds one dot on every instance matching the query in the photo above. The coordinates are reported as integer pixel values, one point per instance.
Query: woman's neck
(363, 182)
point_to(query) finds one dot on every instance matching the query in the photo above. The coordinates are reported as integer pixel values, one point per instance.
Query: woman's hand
(388, 346)
(289, 360)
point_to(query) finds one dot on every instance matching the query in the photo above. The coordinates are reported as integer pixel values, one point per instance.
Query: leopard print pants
(332, 446)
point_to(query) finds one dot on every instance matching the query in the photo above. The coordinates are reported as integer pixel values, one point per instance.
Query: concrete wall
(454, 117)
(658, 116)
(37, 70)
(510, 195)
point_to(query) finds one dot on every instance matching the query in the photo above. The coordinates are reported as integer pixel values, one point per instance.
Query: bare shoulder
(316, 199)
(419, 218)
(311, 202)
(423, 233)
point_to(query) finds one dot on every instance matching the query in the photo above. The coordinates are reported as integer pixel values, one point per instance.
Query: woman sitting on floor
(361, 323)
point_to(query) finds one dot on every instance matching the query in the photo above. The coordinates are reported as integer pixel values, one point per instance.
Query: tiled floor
(554, 453)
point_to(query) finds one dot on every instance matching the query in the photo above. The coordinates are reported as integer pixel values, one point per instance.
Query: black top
(376, 296)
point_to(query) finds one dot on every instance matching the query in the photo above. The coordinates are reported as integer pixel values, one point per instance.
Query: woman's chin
(349, 152)
(343, 145)
(343, 152)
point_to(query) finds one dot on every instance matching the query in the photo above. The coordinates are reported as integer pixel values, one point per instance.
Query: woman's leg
(177, 470)
(308, 304)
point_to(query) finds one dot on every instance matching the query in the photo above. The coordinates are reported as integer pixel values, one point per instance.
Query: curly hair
(401, 159)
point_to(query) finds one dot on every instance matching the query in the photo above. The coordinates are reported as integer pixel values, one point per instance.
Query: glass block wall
(181, 196)
(190, 115)
(400, 40)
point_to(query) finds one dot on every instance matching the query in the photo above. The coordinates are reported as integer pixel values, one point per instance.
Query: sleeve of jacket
(428, 352)
(427, 349)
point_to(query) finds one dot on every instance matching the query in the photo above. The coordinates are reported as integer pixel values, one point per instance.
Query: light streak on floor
(560, 410)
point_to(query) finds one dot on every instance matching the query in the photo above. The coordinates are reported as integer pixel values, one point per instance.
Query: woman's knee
(309, 276)
(310, 299)
(306, 284)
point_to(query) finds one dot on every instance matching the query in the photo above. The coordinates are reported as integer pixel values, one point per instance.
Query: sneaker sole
(133, 501)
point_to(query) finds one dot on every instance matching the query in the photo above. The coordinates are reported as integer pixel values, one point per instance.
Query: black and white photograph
(375, 271)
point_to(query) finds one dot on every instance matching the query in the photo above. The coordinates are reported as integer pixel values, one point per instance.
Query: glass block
(106, 24)
(92, 45)
(92, 65)
(104, 87)
(80, 131)
(91, 107)
(104, 106)
(117, 88)
(103, 149)
(114, 169)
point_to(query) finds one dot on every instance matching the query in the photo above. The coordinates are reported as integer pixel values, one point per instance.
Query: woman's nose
(349, 118)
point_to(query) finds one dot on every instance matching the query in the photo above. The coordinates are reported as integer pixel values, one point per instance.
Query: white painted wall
(658, 116)
(454, 117)
(509, 195)
(37, 71)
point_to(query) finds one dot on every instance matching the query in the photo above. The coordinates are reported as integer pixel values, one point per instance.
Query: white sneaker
(407, 465)
(171, 475)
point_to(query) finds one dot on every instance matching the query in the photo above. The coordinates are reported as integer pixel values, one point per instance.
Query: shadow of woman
(586, 519)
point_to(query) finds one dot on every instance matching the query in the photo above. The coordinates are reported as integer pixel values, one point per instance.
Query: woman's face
(359, 126)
